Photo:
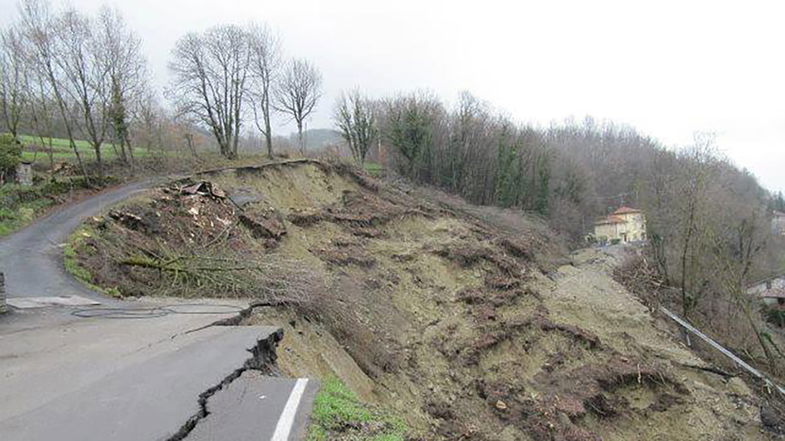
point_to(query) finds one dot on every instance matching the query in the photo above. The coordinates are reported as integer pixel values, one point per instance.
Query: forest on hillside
(709, 222)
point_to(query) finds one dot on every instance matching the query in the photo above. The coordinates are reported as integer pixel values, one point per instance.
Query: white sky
(669, 68)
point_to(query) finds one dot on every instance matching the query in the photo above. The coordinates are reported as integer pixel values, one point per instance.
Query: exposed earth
(469, 323)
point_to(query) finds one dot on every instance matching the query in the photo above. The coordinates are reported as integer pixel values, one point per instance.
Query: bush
(10, 155)
(775, 316)
(615, 241)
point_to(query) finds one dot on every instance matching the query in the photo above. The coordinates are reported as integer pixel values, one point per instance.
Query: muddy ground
(466, 325)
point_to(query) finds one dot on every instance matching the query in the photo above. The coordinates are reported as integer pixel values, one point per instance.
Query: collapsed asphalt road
(165, 376)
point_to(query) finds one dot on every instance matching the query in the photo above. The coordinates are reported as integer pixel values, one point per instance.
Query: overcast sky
(668, 68)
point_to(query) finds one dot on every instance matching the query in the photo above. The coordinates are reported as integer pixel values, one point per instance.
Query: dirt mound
(431, 309)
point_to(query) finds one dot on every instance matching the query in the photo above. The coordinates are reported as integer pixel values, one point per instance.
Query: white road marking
(286, 420)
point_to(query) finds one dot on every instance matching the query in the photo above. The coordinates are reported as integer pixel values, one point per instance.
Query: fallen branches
(269, 278)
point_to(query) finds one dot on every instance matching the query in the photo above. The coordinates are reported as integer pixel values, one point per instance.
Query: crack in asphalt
(262, 359)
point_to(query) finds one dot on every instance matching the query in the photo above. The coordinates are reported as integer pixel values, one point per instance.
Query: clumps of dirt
(517, 248)
(361, 179)
(134, 222)
(592, 387)
(510, 271)
(572, 394)
(345, 255)
(493, 298)
(361, 213)
(305, 218)
(499, 331)
(465, 256)
(264, 226)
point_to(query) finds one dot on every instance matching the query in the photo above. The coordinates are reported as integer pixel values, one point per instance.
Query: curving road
(32, 259)
(81, 379)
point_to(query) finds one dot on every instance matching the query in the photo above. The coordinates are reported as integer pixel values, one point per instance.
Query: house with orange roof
(623, 225)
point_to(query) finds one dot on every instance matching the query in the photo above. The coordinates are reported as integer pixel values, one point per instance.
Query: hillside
(468, 323)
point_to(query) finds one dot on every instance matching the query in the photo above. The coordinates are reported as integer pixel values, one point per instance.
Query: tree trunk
(300, 138)
(769, 356)
(688, 237)
(268, 137)
(127, 143)
(98, 160)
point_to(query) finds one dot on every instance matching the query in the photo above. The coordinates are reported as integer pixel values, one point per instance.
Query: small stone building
(624, 225)
(24, 173)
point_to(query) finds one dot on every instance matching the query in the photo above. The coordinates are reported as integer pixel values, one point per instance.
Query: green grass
(374, 169)
(20, 205)
(69, 255)
(73, 247)
(337, 413)
(62, 150)
(12, 219)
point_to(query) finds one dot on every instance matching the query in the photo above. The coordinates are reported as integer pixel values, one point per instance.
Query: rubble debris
(263, 226)
(64, 168)
(128, 220)
(305, 218)
(203, 188)
(345, 256)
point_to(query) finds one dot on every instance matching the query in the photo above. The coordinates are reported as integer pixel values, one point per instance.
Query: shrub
(775, 316)
(10, 155)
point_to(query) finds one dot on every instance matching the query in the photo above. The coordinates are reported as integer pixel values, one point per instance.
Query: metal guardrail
(743, 364)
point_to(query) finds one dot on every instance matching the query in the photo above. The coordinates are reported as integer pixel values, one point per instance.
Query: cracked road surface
(167, 377)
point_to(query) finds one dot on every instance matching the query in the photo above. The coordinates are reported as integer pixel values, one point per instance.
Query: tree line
(67, 74)
(709, 222)
(229, 74)
(70, 74)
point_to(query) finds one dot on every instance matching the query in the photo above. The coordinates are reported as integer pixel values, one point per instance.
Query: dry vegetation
(437, 310)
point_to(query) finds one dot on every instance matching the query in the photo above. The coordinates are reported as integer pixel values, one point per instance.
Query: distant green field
(62, 150)
(374, 169)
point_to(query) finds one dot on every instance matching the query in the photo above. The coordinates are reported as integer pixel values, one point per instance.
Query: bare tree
(41, 114)
(126, 70)
(355, 117)
(210, 72)
(40, 29)
(298, 91)
(87, 80)
(13, 72)
(265, 62)
(696, 163)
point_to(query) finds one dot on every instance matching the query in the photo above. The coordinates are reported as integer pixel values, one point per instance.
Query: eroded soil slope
(418, 305)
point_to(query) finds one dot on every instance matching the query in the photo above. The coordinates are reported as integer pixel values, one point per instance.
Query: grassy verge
(73, 247)
(339, 415)
(21, 205)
